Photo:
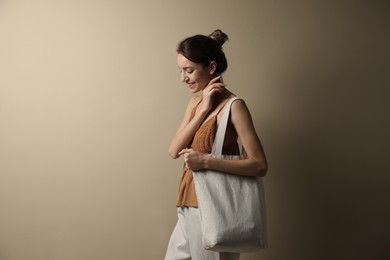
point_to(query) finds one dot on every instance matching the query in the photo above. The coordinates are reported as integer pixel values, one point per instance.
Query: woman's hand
(215, 85)
(192, 159)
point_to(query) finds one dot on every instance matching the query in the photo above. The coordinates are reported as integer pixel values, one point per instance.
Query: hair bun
(219, 36)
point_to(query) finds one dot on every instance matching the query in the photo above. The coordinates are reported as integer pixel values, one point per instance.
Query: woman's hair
(205, 49)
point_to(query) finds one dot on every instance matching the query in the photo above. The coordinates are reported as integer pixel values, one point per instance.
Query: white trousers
(186, 239)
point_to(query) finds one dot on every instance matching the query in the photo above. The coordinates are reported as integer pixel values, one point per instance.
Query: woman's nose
(183, 78)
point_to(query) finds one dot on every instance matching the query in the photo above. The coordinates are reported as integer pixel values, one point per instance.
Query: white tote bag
(232, 208)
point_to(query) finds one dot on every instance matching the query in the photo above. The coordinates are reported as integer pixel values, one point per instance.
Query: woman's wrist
(204, 111)
(206, 161)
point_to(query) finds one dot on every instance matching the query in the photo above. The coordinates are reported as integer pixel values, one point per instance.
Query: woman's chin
(193, 89)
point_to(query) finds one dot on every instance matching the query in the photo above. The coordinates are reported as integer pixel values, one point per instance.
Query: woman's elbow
(262, 169)
(173, 154)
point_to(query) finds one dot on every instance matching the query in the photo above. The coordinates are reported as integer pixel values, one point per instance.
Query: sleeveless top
(202, 142)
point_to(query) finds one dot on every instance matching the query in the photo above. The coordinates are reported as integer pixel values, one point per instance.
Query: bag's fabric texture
(232, 207)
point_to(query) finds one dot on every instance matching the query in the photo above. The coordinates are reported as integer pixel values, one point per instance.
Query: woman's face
(195, 75)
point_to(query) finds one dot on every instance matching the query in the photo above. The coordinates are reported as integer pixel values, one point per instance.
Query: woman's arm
(187, 129)
(254, 165)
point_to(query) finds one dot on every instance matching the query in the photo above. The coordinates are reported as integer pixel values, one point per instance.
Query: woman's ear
(212, 67)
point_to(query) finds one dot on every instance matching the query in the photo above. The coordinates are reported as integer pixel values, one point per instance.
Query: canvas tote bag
(232, 208)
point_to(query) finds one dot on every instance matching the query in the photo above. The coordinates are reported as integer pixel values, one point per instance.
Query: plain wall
(90, 97)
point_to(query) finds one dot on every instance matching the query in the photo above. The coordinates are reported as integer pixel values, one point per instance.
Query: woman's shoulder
(239, 106)
(238, 101)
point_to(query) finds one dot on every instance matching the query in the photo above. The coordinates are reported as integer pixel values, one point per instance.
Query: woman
(202, 61)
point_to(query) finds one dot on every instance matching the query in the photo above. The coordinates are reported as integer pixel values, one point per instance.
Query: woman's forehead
(183, 62)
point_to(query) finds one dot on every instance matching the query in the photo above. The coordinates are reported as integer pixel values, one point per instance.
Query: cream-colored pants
(186, 239)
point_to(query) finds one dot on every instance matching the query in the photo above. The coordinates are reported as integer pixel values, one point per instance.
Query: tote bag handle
(220, 135)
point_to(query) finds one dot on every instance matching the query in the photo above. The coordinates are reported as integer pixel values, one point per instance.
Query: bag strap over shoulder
(220, 134)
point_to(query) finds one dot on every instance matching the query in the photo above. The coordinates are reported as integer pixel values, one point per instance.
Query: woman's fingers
(184, 151)
(219, 87)
(215, 80)
(216, 87)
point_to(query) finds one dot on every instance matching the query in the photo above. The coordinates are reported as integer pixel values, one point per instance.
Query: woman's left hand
(192, 159)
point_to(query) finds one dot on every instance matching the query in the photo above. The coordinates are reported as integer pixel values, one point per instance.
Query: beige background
(90, 97)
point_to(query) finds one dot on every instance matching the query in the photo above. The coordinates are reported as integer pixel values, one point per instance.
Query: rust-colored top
(202, 142)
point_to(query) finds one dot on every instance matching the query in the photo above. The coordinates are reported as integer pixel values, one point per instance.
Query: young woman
(202, 61)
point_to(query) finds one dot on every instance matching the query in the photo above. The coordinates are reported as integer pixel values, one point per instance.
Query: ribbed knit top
(202, 142)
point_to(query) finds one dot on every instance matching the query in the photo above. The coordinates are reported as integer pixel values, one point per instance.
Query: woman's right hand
(215, 85)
